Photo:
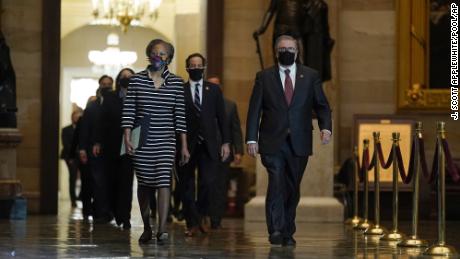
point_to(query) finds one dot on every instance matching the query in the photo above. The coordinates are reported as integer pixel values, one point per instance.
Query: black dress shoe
(126, 225)
(162, 238)
(179, 216)
(289, 241)
(146, 236)
(276, 238)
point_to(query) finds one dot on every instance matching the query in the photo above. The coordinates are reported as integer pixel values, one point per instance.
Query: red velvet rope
(406, 177)
(450, 164)
(362, 169)
(381, 159)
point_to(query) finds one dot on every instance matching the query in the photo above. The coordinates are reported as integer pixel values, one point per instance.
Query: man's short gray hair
(285, 37)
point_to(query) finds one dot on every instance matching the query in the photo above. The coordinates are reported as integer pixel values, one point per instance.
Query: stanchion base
(441, 250)
(375, 231)
(393, 236)
(353, 221)
(363, 225)
(413, 242)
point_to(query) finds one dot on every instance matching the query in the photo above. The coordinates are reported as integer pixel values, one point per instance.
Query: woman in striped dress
(155, 99)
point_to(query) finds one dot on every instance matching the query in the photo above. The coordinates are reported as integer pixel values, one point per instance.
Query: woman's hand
(128, 145)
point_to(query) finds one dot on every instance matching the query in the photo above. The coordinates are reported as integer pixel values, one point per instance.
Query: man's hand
(237, 159)
(325, 136)
(83, 156)
(253, 149)
(96, 150)
(225, 151)
(184, 156)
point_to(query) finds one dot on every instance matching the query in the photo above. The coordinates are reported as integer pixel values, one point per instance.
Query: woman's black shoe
(145, 237)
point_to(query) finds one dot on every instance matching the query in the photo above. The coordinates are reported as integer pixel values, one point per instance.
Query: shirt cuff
(327, 131)
(251, 142)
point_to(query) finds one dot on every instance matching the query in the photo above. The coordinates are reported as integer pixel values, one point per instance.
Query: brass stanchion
(414, 240)
(395, 235)
(440, 248)
(376, 229)
(365, 223)
(355, 220)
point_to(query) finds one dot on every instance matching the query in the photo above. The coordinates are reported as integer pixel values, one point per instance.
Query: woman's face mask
(156, 63)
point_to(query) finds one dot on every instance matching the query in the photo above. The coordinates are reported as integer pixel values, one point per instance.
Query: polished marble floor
(67, 236)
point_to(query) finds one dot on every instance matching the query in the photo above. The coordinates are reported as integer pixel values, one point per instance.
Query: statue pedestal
(317, 203)
(9, 140)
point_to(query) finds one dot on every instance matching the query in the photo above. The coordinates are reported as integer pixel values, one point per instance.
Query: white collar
(193, 83)
(291, 68)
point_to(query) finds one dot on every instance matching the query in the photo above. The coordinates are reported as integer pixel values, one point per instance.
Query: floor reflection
(69, 236)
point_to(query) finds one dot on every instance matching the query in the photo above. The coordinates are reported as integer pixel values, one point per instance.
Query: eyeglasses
(290, 49)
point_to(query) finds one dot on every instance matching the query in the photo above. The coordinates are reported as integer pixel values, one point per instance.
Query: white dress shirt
(292, 73)
(192, 88)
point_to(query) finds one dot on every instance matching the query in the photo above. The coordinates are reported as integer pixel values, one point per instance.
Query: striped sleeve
(129, 107)
(179, 110)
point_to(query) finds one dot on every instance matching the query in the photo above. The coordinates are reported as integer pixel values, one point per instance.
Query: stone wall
(21, 23)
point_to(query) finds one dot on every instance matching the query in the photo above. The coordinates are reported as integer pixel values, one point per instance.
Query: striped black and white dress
(153, 161)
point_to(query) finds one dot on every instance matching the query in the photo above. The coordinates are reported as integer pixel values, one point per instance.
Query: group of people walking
(171, 129)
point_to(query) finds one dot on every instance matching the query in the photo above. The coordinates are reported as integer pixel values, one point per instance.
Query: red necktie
(288, 87)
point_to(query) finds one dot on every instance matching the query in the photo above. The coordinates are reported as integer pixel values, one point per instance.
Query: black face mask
(196, 74)
(286, 58)
(105, 90)
(124, 82)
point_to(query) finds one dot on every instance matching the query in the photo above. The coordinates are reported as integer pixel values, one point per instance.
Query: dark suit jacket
(108, 127)
(66, 137)
(233, 122)
(88, 130)
(74, 146)
(212, 110)
(268, 105)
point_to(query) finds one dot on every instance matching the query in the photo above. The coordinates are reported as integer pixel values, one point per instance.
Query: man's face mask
(196, 74)
(286, 58)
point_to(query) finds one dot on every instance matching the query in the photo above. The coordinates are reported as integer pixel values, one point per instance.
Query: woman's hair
(117, 80)
(169, 48)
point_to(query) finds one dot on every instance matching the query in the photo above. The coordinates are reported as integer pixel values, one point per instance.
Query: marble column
(317, 203)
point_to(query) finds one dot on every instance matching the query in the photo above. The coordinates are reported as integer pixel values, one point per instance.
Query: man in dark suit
(118, 169)
(90, 152)
(67, 137)
(279, 127)
(204, 106)
(236, 152)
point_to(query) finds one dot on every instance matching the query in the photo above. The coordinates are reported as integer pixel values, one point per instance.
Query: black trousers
(86, 193)
(220, 191)
(285, 171)
(122, 189)
(196, 209)
(99, 182)
(73, 170)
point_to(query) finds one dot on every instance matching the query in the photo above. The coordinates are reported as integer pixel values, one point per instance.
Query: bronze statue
(306, 20)
(7, 87)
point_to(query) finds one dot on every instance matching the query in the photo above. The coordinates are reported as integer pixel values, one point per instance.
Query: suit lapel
(300, 81)
(205, 96)
(188, 94)
(279, 84)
